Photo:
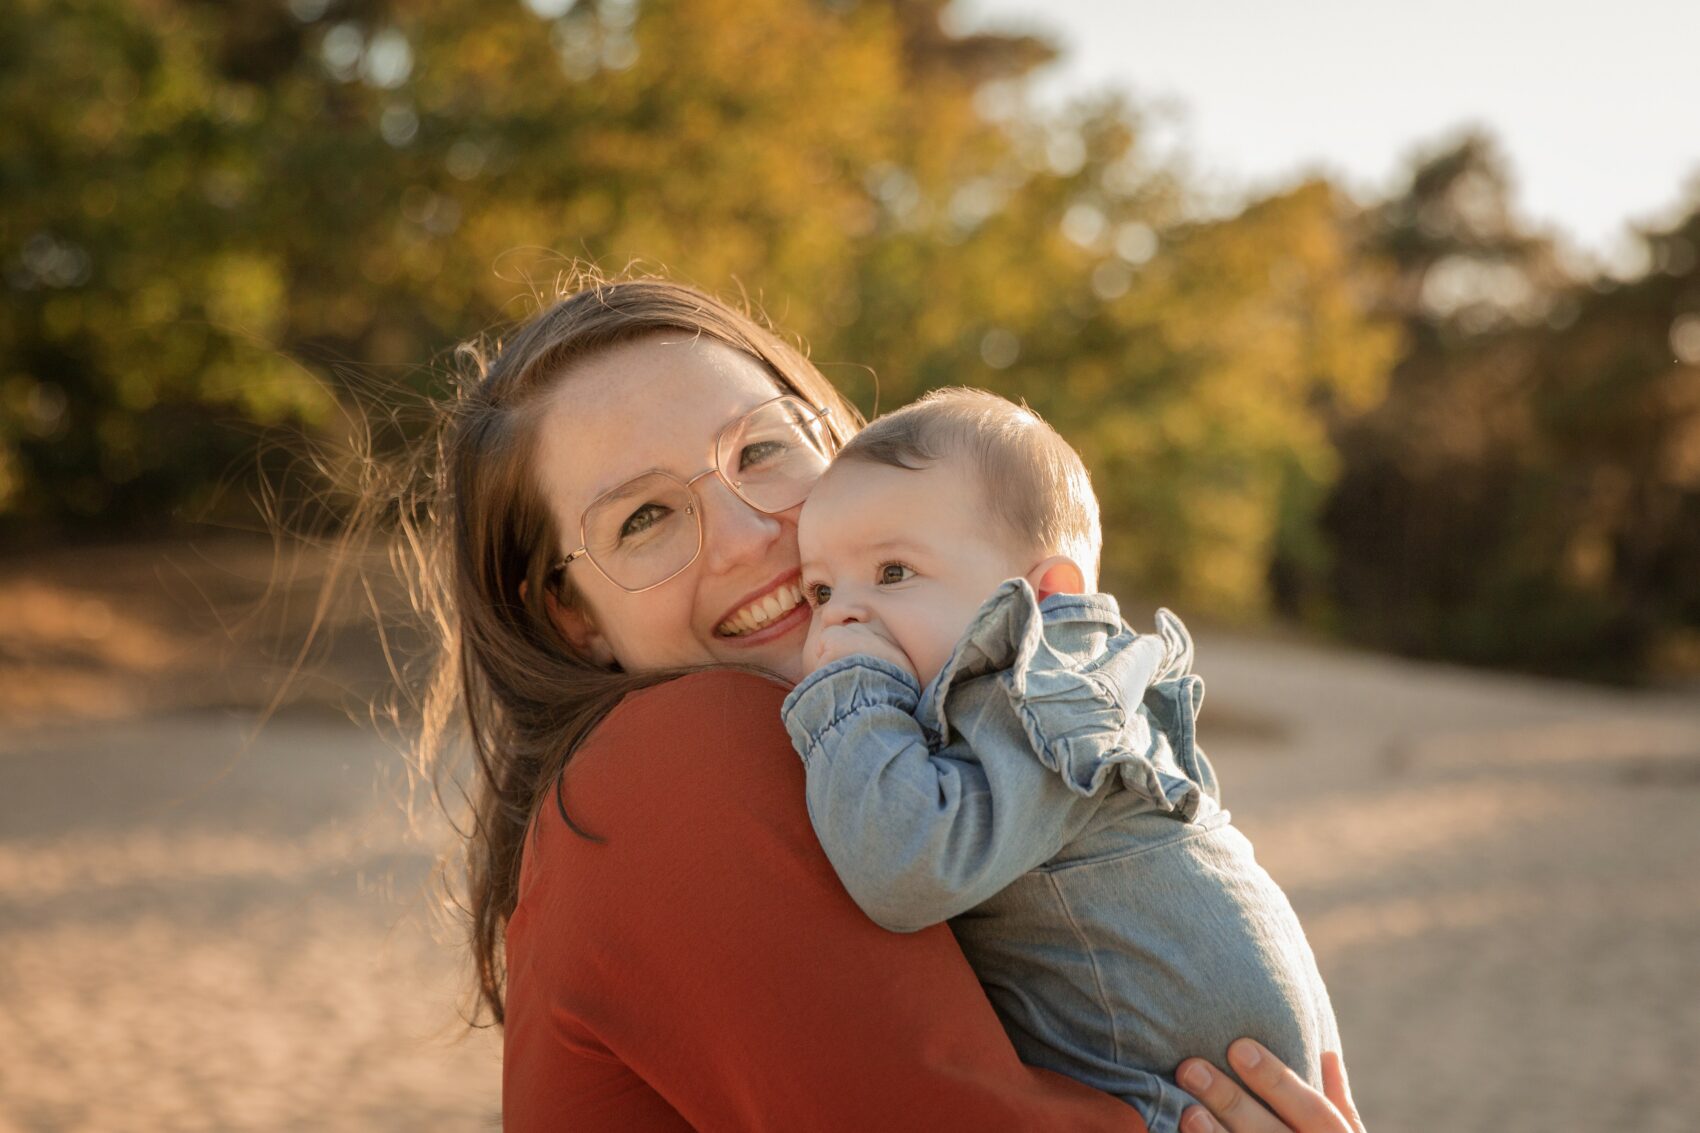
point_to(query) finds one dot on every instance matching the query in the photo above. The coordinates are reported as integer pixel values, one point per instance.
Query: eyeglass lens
(648, 529)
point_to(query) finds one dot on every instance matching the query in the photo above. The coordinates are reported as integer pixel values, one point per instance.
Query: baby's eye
(890, 574)
(818, 593)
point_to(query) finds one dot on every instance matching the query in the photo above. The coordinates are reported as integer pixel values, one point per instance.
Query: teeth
(759, 613)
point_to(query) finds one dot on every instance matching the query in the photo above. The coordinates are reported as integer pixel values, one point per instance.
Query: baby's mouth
(762, 612)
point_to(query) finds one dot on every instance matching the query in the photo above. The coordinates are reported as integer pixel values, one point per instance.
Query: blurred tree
(1424, 496)
(228, 213)
(137, 292)
(1244, 342)
(1614, 472)
(1195, 365)
(223, 219)
(1524, 496)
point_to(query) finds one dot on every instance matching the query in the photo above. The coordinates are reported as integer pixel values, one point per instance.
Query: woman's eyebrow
(615, 485)
(616, 490)
(624, 482)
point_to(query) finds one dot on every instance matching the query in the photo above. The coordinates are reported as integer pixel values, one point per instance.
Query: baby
(1023, 765)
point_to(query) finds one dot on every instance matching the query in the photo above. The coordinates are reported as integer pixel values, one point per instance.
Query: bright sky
(1596, 102)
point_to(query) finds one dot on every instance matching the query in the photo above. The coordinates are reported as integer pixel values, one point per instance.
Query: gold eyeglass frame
(812, 414)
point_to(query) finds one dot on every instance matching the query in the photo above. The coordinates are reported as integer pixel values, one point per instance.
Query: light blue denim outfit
(1044, 794)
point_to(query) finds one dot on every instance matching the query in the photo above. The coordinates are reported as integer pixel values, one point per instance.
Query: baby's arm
(917, 837)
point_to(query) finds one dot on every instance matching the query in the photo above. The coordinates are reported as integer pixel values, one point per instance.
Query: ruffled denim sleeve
(1079, 681)
(920, 831)
(823, 702)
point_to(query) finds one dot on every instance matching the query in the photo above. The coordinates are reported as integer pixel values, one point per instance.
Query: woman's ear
(1058, 574)
(576, 626)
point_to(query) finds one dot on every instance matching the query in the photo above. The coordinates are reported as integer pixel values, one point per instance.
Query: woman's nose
(733, 532)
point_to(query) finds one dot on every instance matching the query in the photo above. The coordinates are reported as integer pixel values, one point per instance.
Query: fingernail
(1196, 1078)
(1250, 1055)
(1195, 1120)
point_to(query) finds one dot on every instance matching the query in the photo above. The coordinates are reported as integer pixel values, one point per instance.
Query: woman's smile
(766, 611)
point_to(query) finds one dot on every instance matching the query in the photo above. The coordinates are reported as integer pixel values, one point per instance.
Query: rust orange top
(702, 966)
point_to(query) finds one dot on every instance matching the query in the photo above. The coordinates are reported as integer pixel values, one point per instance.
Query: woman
(652, 920)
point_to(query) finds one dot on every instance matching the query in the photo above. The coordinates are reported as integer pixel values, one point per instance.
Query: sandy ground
(205, 929)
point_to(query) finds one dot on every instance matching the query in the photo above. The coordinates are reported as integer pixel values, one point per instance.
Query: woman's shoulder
(706, 693)
(674, 763)
(686, 779)
(670, 727)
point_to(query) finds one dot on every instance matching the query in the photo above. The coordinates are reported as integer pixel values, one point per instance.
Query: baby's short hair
(1032, 481)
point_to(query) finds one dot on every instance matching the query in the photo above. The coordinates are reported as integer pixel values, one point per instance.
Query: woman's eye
(643, 519)
(893, 573)
(818, 593)
(760, 452)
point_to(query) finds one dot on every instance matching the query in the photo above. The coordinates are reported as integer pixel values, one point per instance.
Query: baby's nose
(839, 612)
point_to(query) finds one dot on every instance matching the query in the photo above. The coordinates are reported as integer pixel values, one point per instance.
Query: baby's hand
(851, 638)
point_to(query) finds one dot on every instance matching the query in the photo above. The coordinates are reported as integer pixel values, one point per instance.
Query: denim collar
(1008, 625)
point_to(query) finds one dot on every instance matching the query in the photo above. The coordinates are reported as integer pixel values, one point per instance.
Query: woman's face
(657, 404)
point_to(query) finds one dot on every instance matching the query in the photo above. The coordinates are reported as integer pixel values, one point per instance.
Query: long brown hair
(528, 699)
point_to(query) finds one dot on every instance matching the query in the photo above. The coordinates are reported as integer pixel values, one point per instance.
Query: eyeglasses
(649, 529)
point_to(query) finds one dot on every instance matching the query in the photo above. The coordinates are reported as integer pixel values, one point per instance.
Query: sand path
(1501, 878)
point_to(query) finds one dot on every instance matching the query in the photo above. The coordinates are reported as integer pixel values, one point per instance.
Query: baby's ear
(1058, 574)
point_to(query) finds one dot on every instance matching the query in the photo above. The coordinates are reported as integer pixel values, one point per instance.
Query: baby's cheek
(930, 644)
(811, 640)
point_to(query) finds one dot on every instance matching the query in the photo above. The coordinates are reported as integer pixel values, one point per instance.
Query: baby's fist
(850, 638)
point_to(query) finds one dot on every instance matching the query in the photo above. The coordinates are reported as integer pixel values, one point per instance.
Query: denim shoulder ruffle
(1080, 690)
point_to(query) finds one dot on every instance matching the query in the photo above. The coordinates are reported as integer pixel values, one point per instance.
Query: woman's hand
(1300, 1108)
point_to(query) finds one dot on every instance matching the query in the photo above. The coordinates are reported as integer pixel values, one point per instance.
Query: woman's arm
(705, 956)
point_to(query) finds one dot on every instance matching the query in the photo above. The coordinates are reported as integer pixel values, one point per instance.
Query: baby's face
(908, 556)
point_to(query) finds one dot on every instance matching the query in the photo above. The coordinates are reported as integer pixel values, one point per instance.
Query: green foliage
(223, 214)
(226, 224)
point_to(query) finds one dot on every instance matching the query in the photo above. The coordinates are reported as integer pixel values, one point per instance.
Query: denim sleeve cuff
(819, 706)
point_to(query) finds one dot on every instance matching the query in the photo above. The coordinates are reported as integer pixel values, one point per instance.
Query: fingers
(1338, 1089)
(834, 642)
(1300, 1108)
(841, 641)
(1291, 1097)
(845, 640)
(1229, 1107)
